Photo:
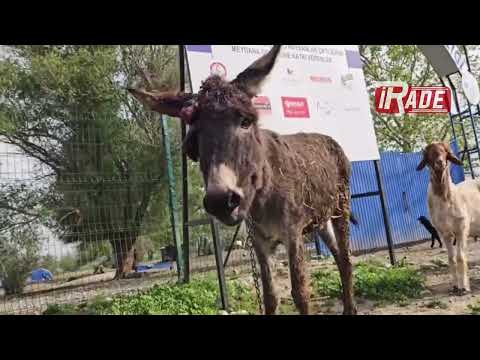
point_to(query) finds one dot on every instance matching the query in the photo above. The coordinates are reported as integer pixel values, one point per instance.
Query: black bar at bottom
(219, 262)
(386, 217)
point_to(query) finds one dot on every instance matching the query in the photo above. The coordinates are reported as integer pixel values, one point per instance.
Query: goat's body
(308, 189)
(461, 209)
(455, 213)
(470, 192)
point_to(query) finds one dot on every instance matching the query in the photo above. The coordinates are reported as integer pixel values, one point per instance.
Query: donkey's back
(313, 166)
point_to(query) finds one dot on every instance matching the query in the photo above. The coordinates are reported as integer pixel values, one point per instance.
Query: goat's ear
(190, 144)
(251, 78)
(451, 156)
(422, 164)
(167, 103)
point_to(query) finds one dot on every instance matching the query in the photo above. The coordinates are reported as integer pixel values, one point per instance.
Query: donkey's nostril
(233, 200)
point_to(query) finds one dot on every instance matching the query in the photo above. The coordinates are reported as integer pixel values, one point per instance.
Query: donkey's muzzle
(223, 205)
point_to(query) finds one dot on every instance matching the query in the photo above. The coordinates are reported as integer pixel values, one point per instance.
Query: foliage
(374, 281)
(474, 308)
(436, 304)
(19, 255)
(199, 297)
(93, 251)
(99, 150)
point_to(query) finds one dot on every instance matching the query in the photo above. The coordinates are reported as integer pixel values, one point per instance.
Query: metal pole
(386, 217)
(186, 230)
(472, 120)
(465, 141)
(232, 245)
(172, 197)
(316, 239)
(218, 260)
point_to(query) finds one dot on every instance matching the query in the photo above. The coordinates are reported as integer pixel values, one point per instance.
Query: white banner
(312, 89)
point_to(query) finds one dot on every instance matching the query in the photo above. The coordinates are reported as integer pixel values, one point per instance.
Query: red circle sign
(219, 69)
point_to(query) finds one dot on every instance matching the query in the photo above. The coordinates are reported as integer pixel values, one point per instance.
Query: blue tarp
(41, 275)
(157, 266)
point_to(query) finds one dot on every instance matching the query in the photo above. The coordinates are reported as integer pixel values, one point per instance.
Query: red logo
(321, 79)
(294, 107)
(400, 98)
(263, 105)
(219, 69)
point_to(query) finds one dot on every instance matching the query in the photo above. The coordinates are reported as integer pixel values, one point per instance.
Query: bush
(200, 297)
(68, 263)
(19, 255)
(91, 251)
(374, 281)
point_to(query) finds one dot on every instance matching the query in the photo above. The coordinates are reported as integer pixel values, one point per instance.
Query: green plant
(475, 308)
(68, 263)
(199, 297)
(436, 304)
(374, 281)
(19, 255)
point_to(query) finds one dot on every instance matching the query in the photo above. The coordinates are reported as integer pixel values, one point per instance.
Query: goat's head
(436, 157)
(223, 136)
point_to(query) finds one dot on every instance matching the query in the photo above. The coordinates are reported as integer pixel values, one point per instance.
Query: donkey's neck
(267, 196)
(442, 185)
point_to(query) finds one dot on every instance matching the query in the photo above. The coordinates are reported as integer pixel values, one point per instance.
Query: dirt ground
(436, 299)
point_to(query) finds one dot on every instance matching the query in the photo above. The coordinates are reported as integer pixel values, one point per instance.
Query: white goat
(454, 210)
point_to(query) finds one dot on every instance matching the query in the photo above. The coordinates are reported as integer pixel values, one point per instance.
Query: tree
(101, 152)
(402, 63)
(19, 255)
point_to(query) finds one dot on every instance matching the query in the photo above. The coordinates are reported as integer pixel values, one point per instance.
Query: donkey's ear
(422, 164)
(251, 78)
(167, 103)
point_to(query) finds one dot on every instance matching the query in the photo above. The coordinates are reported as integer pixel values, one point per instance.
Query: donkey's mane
(217, 95)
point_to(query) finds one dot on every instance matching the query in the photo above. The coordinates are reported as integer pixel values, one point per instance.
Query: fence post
(172, 198)
(186, 230)
(219, 262)
(386, 217)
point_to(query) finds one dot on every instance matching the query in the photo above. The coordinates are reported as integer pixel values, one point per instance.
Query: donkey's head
(223, 136)
(436, 157)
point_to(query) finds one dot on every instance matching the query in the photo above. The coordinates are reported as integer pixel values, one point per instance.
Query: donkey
(286, 186)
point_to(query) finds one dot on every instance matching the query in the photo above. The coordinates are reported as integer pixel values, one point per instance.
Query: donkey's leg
(462, 265)
(298, 274)
(341, 225)
(328, 237)
(263, 252)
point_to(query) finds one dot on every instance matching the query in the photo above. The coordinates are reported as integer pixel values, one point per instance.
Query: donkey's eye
(245, 123)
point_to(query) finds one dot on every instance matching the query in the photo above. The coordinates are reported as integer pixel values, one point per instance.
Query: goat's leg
(452, 261)
(298, 274)
(433, 242)
(341, 225)
(270, 299)
(462, 265)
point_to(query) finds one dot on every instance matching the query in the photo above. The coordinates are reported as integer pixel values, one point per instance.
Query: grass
(374, 281)
(475, 308)
(199, 297)
(436, 304)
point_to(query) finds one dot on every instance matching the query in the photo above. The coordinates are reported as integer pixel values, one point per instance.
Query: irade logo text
(400, 98)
